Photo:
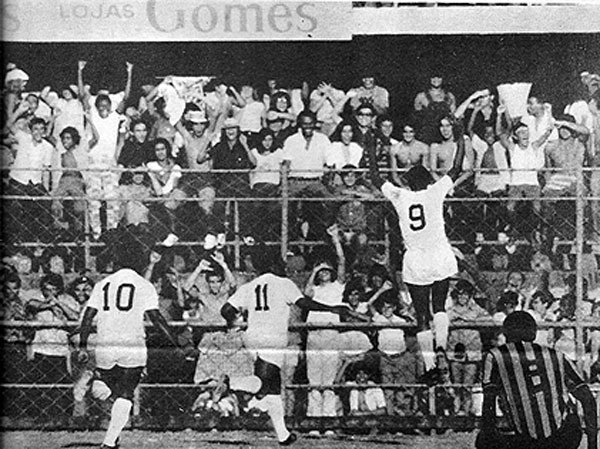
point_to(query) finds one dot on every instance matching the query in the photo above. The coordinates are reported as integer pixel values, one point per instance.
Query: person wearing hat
(15, 81)
(565, 157)
(536, 385)
(232, 154)
(370, 93)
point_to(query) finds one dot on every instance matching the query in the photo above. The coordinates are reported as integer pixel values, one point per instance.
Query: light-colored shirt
(267, 168)
(30, 155)
(391, 341)
(525, 164)
(330, 294)
(340, 155)
(103, 154)
(307, 159)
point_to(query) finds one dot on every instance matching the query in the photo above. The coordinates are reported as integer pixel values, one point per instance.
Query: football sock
(441, 323)
(118, 419)
(274, 407)
(425, 340)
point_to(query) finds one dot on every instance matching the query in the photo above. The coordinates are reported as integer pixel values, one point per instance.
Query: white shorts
(424, 267)
(126, 356)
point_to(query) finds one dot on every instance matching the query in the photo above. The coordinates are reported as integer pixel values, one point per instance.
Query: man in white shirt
(304, 155)
(30, 176)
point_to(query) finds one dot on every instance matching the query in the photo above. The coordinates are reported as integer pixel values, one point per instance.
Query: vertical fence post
(236, 233)
(285, 206)
(87, 256)
(579, 236)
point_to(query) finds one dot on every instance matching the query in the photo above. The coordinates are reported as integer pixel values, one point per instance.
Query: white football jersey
(121, 300)
(421, 213)
(267, 299)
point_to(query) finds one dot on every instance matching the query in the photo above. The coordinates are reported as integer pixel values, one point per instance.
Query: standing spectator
(327, 103)
(50, 347)
(536, 383)
(280, 106)
(465, 349)
(565, 156)
(355, 343)
(133, 212)
(506, 305)
(526, 157)
(429, 260)
(304, 155)
(250, 114)
(370, 93)
(265, 179)
(478, 111)
(103, 181)
(30, 176)
(137, 149)
(594, 106)
(72, 180)
(539, 120)
(431, 105)
(364, 116)
(275, 124)
(326, 286)
(164, 175)
(540, 311)
(443, 152)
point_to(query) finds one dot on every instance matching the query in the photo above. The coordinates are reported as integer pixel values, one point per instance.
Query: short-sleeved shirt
(103, 154)
(306, 161)
(330, 294)
(267, 168)
(534, 383)
(268, 300)
(30, 155)
(429, 256)
(340, 155)
(121, 300)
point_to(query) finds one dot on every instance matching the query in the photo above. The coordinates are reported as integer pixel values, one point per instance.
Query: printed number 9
(416, 213)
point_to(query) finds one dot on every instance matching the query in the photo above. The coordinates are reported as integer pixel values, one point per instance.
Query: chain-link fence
(548, 234)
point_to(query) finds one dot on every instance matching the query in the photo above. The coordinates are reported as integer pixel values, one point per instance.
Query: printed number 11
(261, 299)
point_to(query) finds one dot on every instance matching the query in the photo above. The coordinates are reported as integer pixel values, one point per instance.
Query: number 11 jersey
(429, 256)
(121, 300)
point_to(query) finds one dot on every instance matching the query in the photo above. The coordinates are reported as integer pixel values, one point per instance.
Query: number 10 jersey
(121, 300)
(429, 256)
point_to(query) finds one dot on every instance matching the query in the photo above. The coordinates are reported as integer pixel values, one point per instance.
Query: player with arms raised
(120, 302)
(268, 299)
(429, 261)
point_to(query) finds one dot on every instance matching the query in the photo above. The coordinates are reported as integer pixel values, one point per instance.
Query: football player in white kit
(268, 299)
(119, 302)
(429, 261)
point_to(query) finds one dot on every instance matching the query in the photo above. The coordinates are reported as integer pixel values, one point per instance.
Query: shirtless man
(198, 136)
(408, 152)
(441, 155)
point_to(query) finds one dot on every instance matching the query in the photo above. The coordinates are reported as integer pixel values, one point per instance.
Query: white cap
(15, 74)
(210, 242)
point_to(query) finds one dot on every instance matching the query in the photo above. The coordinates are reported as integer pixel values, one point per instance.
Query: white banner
(173, 20)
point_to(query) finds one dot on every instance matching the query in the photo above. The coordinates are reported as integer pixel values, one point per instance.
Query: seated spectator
(565, 156)
(327, 103)
(526, 158)
(304, 155)
(366, 401)
(396, 364)
(408, 152)
(343, 150)
(465, 348)
(431, 105)
(72, 180)
(30, 176)
(539, 309)
(370, 93)
(265, 179)
(164, 175)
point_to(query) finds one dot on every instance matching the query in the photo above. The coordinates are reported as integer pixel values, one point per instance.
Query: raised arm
(121, 106)
(219, 258)
(334, 232)
(80, 86)
(204, 265)
(456, 169)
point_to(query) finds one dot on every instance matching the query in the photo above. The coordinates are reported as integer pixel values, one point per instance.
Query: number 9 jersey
(429, 256)
(121, 300)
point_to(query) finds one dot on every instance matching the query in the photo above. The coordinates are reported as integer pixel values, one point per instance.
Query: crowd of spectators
(169, 161)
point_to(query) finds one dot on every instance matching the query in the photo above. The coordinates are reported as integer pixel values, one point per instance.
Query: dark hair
(73, 133)
(100, 98)
(276, 96)
(383, 118)
(53, 279)
(13, 278)
(307, 113)
(377, 270)
(365, 106)
(36, 121)
(418, 178)
(263, 133)
(353, 285)
(216, 272)
(136, 122)
(506, 299)
(165, 142)
(463, 286)
(519, 326)
(336, 136)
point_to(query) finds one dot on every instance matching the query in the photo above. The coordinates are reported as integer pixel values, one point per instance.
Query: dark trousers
(567, 437)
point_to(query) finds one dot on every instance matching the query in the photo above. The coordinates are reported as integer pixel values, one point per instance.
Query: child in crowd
(366, 401)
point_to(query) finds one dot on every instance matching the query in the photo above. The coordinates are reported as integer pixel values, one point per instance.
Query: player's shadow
(83, 444)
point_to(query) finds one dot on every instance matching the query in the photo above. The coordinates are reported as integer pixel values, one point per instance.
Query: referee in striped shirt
(534, 384)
